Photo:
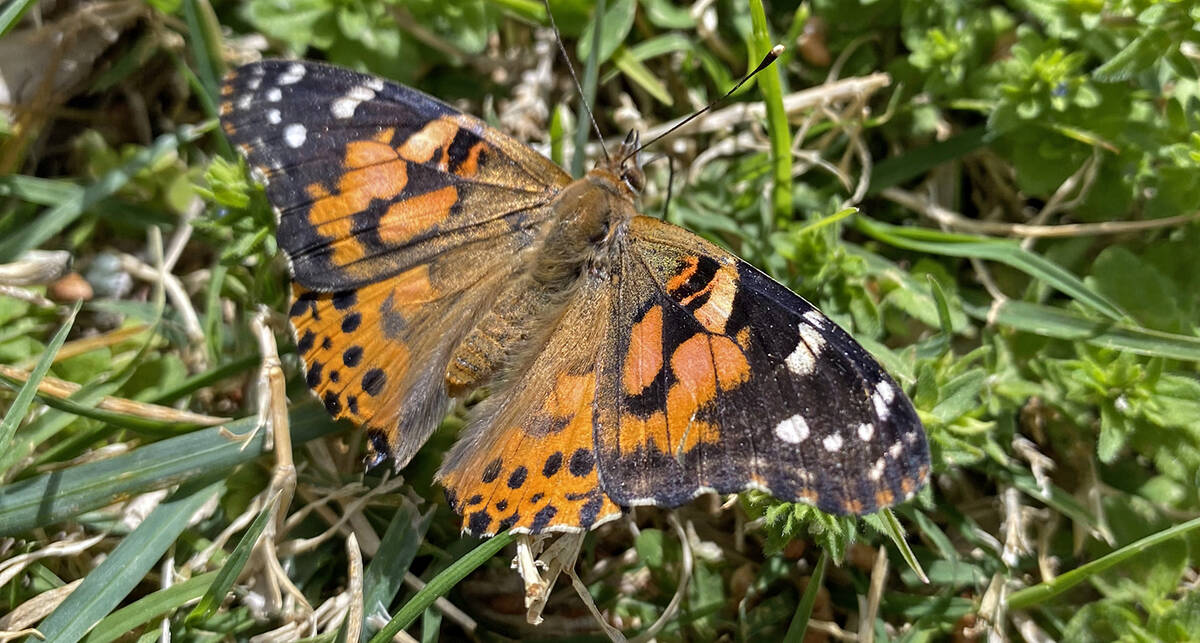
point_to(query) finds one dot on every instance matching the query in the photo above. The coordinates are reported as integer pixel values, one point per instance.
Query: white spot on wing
(375, 84)
(254, 82)
(815, 318)
(882, 399)
(274, 94)
(274, 117)
(876, 471)
(344, 107)
(803, 360)
(294, 135)
(292, 75)
(886, 391)
(243, 102)
(896, 449)
(832, 442)
(793, 430)
(866, 432)
(812, 337)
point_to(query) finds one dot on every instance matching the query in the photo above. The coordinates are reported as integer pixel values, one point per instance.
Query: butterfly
(629, 362)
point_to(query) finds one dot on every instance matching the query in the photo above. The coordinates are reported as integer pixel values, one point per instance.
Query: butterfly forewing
(718, 378)
(370, 178)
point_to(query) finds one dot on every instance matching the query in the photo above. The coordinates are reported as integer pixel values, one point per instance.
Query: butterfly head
(629, 168)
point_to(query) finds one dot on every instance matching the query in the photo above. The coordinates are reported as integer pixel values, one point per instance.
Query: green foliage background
(1023, 260)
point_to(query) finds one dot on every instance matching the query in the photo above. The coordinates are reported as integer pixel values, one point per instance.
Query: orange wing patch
(332, 214)
(349, 359)
(537, 477)
(413, 216)
(644, 360)
(703, 365)
(717, 294)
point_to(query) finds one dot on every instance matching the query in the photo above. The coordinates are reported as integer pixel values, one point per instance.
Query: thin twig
(961, 223)
(794, 103)
(685, 577)
(866, 624)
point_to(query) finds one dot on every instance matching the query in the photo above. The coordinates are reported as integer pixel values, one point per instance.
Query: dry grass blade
(15, 624)
(62, 390)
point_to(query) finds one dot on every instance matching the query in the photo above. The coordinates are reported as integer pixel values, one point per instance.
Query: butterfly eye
(634, 178)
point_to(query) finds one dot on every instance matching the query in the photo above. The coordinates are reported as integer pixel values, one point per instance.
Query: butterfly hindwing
(370, 178)
(718, 378)
(526, 460)
(377, 354)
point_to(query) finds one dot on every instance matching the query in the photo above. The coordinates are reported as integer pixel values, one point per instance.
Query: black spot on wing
(478, 522)
(306, 341)
(517, 477)
(543, 518)
(581, 462)
(553, 464)
(491, 471)
(373, 381)
(344, 299)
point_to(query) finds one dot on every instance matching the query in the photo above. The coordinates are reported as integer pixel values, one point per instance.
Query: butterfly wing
(401, 217)
(526, 460)
(717, 378)
(371, 178)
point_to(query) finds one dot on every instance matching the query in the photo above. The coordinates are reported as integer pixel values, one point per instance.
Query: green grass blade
(8, 426)
(204, 40)
(38, 190)
(799, 624)
(52, 221)
(777, 124)
(107, 585)
(200, 380)
(146, 426)
(1000, 250)
(1060, 323)
(385, 575)
(641, 75)
(11, 14)
(53, 497)
(891, 526)
(47, 425)
(591, 70)
(1031, 596)
(123, 621)
(228, 574)
(441, 584)
(608, 31)
(897, 169)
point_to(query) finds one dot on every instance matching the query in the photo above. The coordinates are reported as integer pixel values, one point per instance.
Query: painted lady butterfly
(630, 362)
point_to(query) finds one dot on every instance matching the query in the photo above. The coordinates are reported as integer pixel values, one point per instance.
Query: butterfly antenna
(670, 182)
(578, 86)
(775, 52)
